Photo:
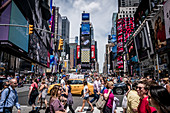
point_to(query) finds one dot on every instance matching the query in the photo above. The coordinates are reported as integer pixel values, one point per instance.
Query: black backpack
(34, 92)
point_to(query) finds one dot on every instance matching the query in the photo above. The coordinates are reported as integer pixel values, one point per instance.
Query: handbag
(34, 92)
(100, 103)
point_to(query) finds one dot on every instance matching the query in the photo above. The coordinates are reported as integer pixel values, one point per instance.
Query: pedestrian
(86, 97)
(96, 87)
(69, 97)
(32, 98)
(54, 103)
(63, 82)
(166, 84)
(4, 85)
(43, 93)
(142, 90)
(109, 96)
(133, 100)
(159, 98)
(9, 98)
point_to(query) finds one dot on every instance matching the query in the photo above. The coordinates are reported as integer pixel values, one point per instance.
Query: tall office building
(128, 3)
(65, 28)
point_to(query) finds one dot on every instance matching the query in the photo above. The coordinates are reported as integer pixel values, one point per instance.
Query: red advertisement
(93, 51)
(48, 60)
(78, 51)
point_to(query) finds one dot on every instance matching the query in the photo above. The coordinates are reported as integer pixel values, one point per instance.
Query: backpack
(34, 92)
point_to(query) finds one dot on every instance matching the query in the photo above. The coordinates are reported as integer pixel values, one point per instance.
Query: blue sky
(100, 16)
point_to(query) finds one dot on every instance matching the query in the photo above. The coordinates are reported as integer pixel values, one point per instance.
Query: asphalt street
(23, 100)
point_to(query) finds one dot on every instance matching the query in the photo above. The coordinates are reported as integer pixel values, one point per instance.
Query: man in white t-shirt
(63, 81)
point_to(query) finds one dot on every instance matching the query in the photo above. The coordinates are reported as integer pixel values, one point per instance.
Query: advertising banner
(78, 51)
(167, 18)
(112, 39)
(85, 41)
(159, 30)
(18, 35)
(85, 16)
(85, 55)
(120, 62)
(85, 29)
(92, 51)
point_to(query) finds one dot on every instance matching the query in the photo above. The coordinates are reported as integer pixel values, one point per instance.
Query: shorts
(86, 98)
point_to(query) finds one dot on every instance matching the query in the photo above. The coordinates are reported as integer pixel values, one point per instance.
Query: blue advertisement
(18, 35)
(112, 39)
(85, 29)
(85, 16)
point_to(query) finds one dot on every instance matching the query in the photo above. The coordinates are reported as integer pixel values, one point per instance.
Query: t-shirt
(56, 105)
(63, 82)
(85, 90)
(34, 85)
(144, 106)
(110, 99)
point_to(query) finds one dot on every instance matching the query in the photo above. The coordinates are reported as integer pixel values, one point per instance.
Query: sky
(101, 12)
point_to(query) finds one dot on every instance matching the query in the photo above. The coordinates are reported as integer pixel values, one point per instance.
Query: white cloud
(100, 16)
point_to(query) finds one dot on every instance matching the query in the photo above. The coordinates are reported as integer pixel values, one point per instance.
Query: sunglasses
(139, 88)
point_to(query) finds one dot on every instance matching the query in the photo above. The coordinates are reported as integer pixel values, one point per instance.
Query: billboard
(92, 51)
(85, 29)
(120, 62)
(85, 55)
(167, 18)
(142, 12)
(120, 36)
(18, 35)
(111, 39)
(159, 30)
(85, 16)
(85, 41)
(78, 51)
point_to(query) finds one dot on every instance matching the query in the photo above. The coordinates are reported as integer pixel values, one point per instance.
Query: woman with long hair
(55, 104)
(159, 98)
(86, 97)
(68, 96)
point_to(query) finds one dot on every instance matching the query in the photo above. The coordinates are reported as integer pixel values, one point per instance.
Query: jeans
(7, 110)
(96, 96)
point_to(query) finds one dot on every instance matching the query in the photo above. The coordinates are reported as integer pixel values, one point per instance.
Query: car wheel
(119, 91)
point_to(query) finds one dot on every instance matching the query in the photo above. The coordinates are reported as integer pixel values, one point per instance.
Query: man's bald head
(13, 83)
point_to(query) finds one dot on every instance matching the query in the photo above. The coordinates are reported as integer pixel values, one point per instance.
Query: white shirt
(85, 90)
(63, 83)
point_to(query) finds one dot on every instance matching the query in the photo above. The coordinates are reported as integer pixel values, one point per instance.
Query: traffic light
(31, 27)
(60, 45)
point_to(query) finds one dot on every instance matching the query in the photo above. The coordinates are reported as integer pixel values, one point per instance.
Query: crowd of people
(145, 95)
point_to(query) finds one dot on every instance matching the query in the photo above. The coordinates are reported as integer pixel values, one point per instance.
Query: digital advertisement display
(85, 41)
(85, 29)
(85, 55)
(120, 62)
(128, 27)
(92, 51)
(142, 12)
(18, 35)
(120, 36)
(85, 16)
(167, 18)
(112, 39)
(159, 30)
(78, 51)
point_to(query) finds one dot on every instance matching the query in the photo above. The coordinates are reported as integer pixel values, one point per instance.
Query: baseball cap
(63, 76)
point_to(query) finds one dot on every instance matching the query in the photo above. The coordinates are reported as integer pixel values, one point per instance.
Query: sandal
(80, 111)
(92, 110)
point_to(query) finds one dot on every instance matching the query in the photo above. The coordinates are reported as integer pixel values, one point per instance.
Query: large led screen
(159, 30)
(85, 16)
(85, 29)
(85, 41)
(85, 55)
(112, 39)
(18, 35)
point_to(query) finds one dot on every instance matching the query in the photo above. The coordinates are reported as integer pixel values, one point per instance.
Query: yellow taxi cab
(76, 86)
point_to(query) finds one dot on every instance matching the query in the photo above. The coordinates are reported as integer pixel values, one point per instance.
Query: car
(76, 86)
(119, 88)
